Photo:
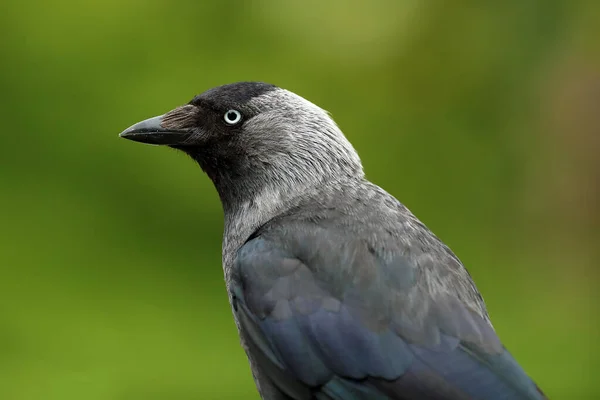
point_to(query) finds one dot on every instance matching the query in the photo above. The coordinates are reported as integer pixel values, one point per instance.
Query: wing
(332, 318)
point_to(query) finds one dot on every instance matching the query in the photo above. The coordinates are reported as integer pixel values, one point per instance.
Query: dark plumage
(338, 291)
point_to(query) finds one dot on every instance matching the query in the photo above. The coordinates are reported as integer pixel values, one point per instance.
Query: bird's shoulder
(347, 230)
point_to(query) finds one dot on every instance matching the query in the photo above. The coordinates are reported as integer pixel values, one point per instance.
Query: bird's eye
(232, 117)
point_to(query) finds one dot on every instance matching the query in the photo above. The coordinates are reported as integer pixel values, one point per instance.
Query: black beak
(151, 131)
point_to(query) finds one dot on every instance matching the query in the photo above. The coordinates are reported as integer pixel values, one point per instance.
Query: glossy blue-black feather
(333, 318)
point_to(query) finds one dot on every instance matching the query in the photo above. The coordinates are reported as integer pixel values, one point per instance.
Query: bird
(338, 291)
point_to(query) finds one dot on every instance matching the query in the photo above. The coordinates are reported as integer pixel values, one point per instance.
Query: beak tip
(126, 133)
(142, 129)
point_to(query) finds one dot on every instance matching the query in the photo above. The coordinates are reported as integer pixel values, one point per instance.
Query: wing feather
(348, 324)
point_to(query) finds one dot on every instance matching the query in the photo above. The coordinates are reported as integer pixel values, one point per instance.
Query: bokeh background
(484, 118)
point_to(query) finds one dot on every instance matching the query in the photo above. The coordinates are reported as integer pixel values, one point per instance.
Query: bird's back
(362, 211)
(346, 295)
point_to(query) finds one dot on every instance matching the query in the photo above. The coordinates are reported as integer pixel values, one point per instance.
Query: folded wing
(332, 319)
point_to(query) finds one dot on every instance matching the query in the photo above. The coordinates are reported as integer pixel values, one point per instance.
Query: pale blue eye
(232, 117)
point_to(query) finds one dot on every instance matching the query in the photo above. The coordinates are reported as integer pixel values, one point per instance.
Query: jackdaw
(337, 289)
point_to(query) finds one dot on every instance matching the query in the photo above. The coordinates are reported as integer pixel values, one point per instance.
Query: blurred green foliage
(483, 118)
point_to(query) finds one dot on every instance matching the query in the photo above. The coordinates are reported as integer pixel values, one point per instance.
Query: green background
(482, 117)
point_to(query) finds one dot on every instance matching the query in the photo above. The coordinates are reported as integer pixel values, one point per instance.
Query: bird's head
(252, 137)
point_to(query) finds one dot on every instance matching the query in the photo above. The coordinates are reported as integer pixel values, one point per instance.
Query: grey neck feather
(290, 151)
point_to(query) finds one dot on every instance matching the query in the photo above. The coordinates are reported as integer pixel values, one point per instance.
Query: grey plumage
(338, 290)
